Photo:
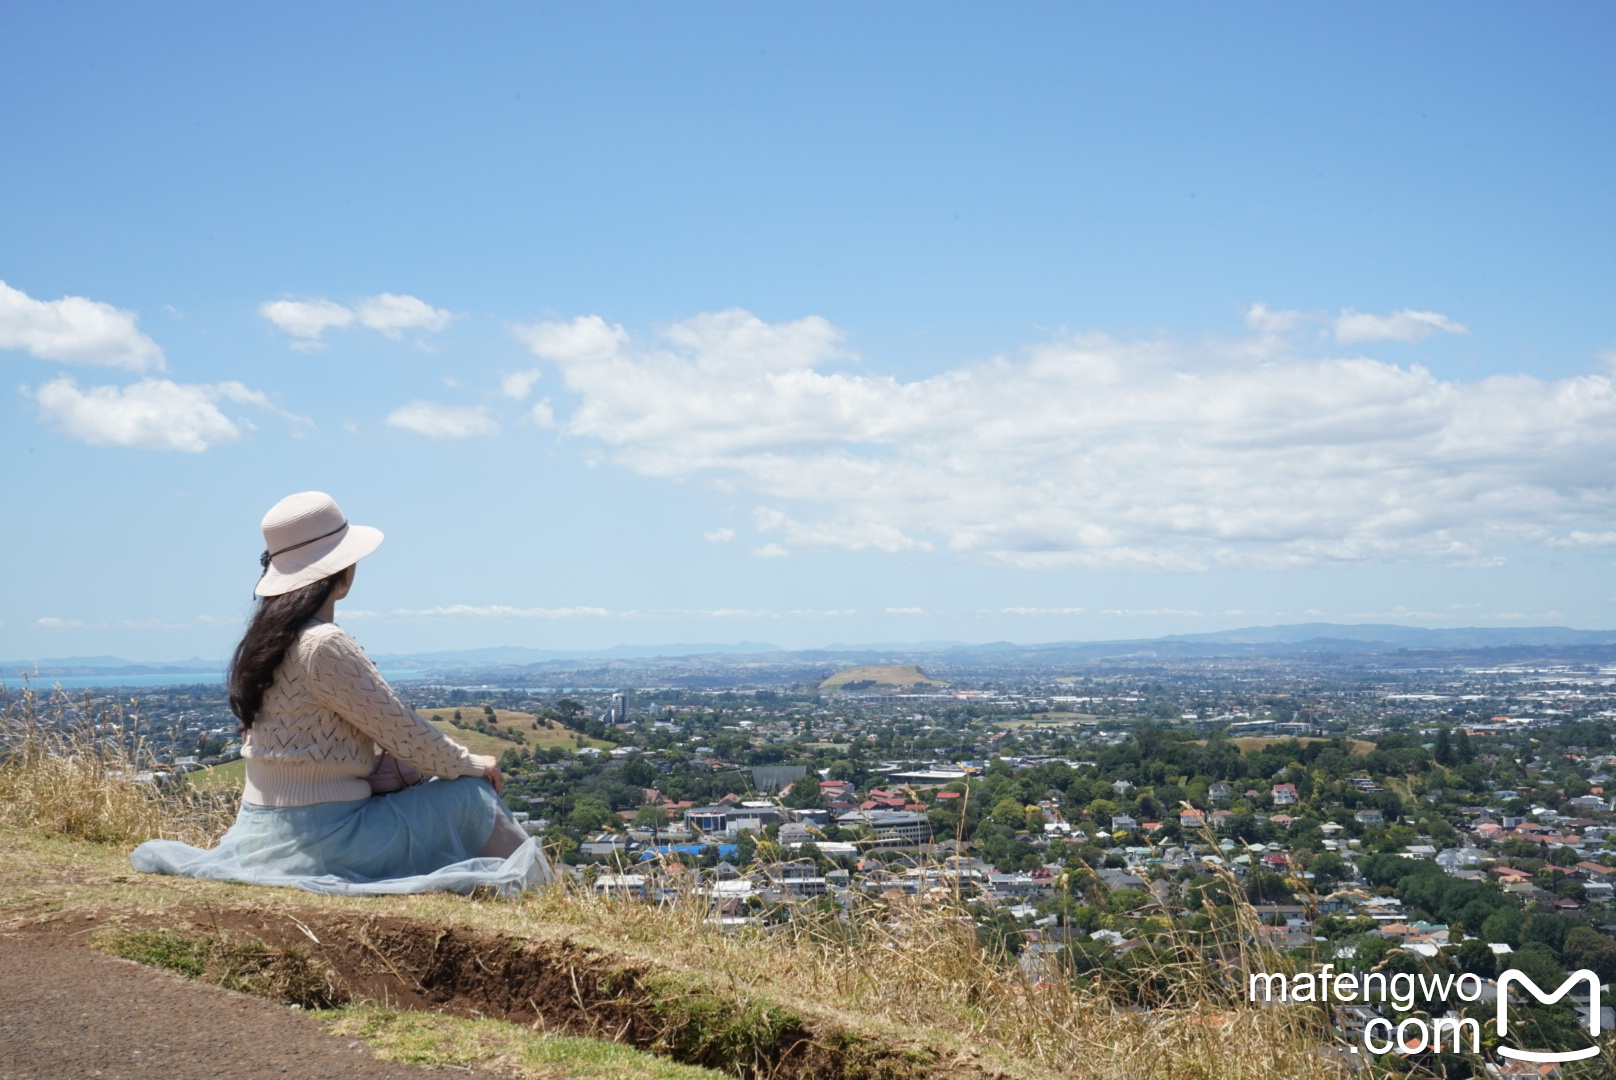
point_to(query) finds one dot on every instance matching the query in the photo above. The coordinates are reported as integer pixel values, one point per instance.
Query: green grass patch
(737, 1036)
(285, 974)
(436, 1040)
(506, 726)
(231, 776)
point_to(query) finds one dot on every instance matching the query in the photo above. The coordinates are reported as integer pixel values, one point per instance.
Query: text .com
(1416, 1034)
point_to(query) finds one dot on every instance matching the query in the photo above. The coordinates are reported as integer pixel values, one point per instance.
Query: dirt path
(71, 1012)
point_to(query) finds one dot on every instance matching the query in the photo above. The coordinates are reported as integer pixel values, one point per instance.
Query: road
(68, 1012)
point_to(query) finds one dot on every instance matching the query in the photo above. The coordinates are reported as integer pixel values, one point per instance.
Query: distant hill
(514, 654)
(880, 677)
(713, 664)
(100, 665)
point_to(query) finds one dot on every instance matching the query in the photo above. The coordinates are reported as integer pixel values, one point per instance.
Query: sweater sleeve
(344, 680)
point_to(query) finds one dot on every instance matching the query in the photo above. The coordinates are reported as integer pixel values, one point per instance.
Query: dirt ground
(68, 1011)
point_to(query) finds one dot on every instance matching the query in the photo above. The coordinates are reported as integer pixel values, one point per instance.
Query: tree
(804, 794)
(588, 814)
(1462, 748)
(1475, 957)
(1503, 927)
(1443, 751)
(1586, 947)
(810, 850)
(651, 817)
(638, 772)
(1328, 869)
(1010, 814)
(1539, 963)
(1103, 810)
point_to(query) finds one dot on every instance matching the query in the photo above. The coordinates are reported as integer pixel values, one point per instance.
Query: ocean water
(14, 682)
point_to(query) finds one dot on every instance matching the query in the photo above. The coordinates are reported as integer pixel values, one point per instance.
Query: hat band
(263, 560)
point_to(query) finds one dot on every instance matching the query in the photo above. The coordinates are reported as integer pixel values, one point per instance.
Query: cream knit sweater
(324, 720)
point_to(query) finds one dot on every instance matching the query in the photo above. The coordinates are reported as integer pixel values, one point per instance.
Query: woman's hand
(492, 775)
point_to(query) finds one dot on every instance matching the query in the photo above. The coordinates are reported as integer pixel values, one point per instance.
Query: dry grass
(74, 768)
(906, 972)
(914, 967)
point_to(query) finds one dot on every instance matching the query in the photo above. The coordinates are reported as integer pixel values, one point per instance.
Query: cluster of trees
(1546, 944)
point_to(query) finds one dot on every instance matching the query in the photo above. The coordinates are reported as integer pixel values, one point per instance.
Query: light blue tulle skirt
(422, 839)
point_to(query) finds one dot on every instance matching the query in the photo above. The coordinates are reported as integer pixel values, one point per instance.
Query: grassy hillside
(880, 677)
(893, 990)
(505, 723)
(227, 777)
(898, 993)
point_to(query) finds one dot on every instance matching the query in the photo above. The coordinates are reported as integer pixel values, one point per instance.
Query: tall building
(620, 707)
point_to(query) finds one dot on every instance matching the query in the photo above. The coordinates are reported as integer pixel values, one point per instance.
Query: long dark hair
(274, 626)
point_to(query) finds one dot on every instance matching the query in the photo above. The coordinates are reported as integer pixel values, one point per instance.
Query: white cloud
(1093, 452)
(390, 314)
(306, 318)
(475, 611)
(1579, 538)
(542, 414)
(582, 340)
(502, 611)
(851, 535)
(518, 384)
(719, 536)
(1350, 326)
(50, 622)
(75, 330)
(153, 414)
(905, 611)
(1405, 325)
(1264, 320)
(443, 421)
(771, 551)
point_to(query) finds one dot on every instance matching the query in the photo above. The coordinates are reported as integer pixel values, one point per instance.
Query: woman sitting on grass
(334, 800)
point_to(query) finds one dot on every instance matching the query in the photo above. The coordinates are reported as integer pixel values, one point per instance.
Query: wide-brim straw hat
(306, 538)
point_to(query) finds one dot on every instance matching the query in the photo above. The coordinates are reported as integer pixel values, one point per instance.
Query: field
(1359, 746)
(227, 777)
(505, 720)
(1049, 719)
(885, 677)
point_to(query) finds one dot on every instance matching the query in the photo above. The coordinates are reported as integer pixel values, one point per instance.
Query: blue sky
(634, 323)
